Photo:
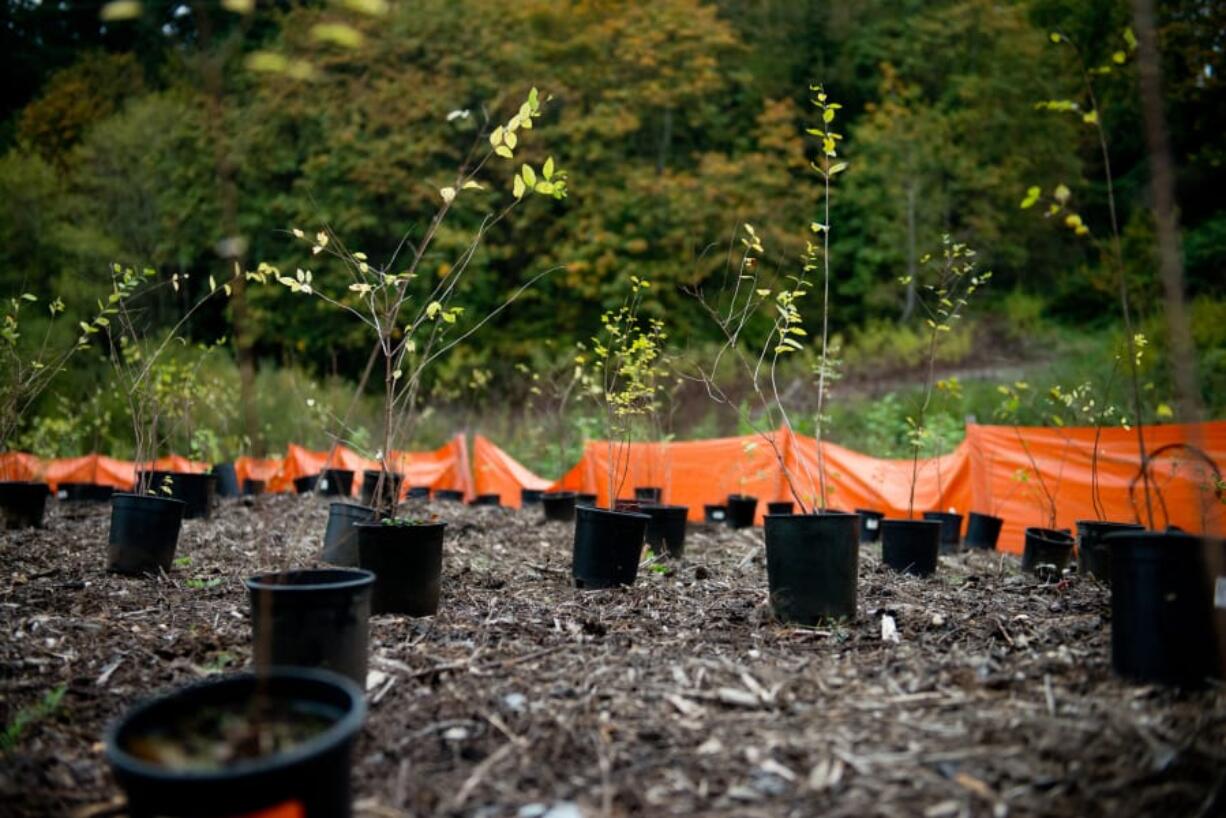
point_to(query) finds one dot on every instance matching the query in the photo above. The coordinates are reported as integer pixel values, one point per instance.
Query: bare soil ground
(679, 696)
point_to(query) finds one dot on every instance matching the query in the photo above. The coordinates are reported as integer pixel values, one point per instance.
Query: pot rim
(592, 509)
(355, 578)
(382, 525)
(349, 723)
(126, 495)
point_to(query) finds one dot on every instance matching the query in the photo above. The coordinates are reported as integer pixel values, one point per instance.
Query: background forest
(192, 137)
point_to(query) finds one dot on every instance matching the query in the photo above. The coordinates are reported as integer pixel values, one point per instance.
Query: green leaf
(547, 170)
(529, 175)
(517, 188)
(504, 151)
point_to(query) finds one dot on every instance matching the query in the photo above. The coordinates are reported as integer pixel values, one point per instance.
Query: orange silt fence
(1018, 474)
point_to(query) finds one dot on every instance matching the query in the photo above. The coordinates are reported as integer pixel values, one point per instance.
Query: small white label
(1219, 593)
(717, 515)
(871, 523)
(323, 485)
(62, 494)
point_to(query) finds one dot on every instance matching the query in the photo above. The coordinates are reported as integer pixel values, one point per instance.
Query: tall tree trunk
(232, 246)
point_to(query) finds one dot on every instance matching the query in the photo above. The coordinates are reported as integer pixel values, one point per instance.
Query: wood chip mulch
(679, 696)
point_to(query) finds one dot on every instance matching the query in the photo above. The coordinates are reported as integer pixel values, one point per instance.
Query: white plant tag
(323, 484)
(62, 494)
(1219, 593)
(871, 523)
(717, 515)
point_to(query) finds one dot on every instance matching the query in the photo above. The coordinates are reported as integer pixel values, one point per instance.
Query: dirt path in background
(676, 697)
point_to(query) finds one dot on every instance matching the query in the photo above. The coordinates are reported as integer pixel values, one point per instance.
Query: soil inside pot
(217, 737)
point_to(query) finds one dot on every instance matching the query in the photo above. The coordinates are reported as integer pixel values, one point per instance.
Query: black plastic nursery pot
(559, 506)
(530, 497)
(1093, 553)
(195, 490)
(391, 488)
(253, 487)
(714, 514)
(310, 779)
(951, 529)
(982, 531)
(22, 503)
(340, 536)
(1046, 550)
(583, 499)
(1166, 606)
(911, 546)
(227, 480)
(449, 495)
(487, 500)
(648, 494)
(336, 483)
(812, 563)
(144, 533)
(870, 524)
(608, 547)
(407, 561)
(317, 618)
(306, 483)
(781, 507)
(666, 529)
(741, 510)
(418, 493)
(84, 493)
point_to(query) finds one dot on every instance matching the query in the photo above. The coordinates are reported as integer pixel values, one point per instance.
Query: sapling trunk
(920, 421)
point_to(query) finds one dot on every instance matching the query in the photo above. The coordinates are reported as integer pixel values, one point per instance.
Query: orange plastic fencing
(1006, 465)
(995, 470)
(1000, 470)
(496, 472)
(444, 468)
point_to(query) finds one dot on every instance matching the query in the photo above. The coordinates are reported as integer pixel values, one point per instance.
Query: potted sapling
(609, 542)
(812, 557)
(178, 389)
(416, 319)
(1093, 555)
(1047, 547)
(949, 391)
(910, 545)
(666, 530)
(28, 369)
(740, 508)
(145, 523)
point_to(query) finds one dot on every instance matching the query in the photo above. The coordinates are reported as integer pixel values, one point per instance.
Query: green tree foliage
(686, 117)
